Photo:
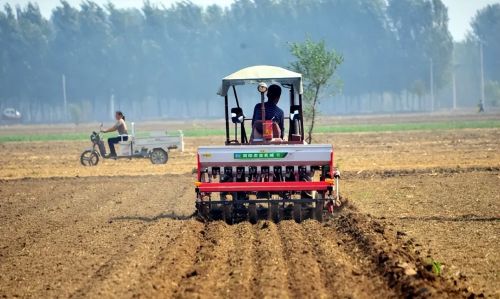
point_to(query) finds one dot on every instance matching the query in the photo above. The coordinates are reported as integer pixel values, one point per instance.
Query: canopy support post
(301, 118)
(262, 109)
(227, 119)
(236, 97)
(291, 126)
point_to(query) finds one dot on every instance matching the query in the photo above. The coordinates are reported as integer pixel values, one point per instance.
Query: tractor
(264, 176)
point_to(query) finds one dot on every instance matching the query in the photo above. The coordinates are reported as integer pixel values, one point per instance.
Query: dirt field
(123, 228)
(353, 152)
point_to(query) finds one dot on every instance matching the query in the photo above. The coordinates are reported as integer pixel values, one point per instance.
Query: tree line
(168, 61)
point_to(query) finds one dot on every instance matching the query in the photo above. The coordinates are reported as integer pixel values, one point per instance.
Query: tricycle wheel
(89, 158)
(159, 156)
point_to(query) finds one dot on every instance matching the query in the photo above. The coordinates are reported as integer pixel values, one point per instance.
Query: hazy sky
(460, 11)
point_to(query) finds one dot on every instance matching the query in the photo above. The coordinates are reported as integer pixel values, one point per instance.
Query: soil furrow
(345, 276)
(305, 279)
(171, 263)
(271, 272)
(209, 275)
(241, 261)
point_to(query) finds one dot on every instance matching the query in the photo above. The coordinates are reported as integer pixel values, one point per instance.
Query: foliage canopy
(317, 65)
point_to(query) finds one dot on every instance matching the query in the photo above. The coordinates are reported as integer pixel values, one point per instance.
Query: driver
(119, 126)
(273, 112)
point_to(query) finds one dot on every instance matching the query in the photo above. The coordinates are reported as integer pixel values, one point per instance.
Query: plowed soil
(353, 152)
(114, 231)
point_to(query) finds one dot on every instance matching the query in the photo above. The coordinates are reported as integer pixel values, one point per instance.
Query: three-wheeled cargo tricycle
(155, 147)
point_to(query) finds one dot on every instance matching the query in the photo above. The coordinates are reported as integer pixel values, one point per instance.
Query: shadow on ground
(152, 218)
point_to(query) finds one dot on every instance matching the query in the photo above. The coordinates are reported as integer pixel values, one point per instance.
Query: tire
(89, 158)
(158, 156)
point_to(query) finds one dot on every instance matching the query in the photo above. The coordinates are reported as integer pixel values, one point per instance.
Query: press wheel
(318, 210)
(297, 212)
(227, 213)
(252, 213)
(275, 212)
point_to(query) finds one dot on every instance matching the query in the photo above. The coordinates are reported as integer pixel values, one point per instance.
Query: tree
(492, 93)
(485, 26)
(166, 60)
(422, 35)
(317, 65)
(75, 111)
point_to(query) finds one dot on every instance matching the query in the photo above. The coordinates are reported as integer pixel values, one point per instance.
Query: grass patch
(45, 137)
(356, 128)
(427, 126)
(205, 132)
(86, 136)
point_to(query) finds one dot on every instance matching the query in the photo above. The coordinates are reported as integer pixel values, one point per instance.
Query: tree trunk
(313, 115)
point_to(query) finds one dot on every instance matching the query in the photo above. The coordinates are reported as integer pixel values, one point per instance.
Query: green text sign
(251, 156)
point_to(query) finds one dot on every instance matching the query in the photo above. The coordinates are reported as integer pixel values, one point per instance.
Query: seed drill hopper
(263, 176)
